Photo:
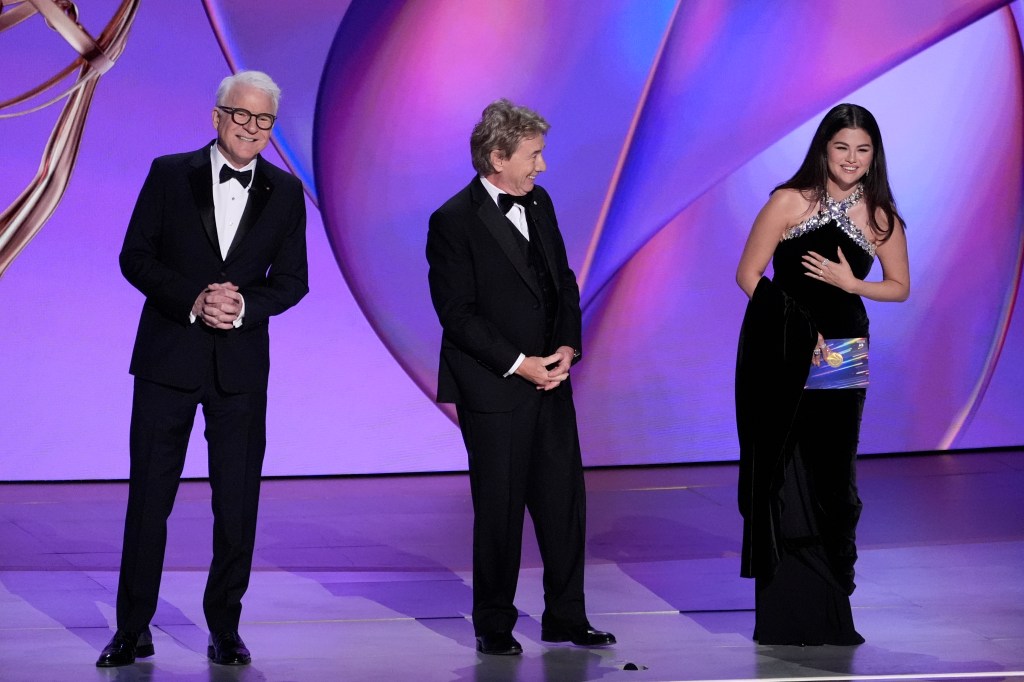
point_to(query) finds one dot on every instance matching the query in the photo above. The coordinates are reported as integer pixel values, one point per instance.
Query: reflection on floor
(368, 579)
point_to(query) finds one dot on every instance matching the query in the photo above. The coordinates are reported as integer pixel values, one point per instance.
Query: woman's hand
(820, 352)
(836, 273)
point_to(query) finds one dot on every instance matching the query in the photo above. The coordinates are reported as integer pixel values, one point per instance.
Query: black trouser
(526, 459)
(161, 422)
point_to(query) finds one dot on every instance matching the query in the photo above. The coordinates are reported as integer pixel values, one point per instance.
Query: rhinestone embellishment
(837, 211)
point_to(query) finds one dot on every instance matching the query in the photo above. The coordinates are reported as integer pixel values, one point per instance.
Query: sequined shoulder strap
(839, 212)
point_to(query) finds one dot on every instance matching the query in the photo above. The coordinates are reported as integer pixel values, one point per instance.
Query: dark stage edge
(369, 579)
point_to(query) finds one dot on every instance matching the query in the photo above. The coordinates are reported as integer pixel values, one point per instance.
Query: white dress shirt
(517, 214)
(229, 201)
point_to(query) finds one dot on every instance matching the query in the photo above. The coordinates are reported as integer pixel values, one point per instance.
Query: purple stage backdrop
(671, 121)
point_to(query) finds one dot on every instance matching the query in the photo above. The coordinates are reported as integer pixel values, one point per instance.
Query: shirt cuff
(238, 320)
(515, 366)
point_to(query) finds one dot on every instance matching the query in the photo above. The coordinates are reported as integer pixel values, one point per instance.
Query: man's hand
(218, 305)
(536, 369)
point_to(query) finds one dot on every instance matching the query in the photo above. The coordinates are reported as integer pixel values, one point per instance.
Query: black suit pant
(162, 419)
(526, 459)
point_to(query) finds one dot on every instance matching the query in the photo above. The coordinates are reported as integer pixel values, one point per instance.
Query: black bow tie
(507, 201)
(227, 172)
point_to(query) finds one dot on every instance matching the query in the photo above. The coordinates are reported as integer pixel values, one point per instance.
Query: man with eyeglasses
(217, 244)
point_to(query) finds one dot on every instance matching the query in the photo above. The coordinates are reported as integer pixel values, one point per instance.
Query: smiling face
(850, 154)
(516, 174)
(241, 143)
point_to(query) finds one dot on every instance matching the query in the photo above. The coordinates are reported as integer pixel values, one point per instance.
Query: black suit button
(536, 306)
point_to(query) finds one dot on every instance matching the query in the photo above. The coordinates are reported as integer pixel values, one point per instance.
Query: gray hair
(256, 79)
(502, 127)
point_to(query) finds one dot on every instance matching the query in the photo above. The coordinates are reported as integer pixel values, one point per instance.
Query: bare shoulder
(795, 202)
(789, 207)
(882, 221)
(888, 239)
(882, 233)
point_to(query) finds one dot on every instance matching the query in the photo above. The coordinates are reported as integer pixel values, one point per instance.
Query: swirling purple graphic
(671, 121)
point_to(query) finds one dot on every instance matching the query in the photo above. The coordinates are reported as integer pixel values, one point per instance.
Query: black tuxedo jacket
(171, 254)
(488, 300)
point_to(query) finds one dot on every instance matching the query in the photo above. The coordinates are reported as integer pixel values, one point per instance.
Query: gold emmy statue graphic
(26, 215)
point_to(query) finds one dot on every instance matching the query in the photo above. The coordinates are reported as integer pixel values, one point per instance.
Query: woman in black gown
(822, 230)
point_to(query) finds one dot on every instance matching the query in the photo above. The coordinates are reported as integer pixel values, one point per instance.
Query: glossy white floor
(368, 579)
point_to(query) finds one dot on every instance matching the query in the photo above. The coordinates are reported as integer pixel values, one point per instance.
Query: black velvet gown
(798, 487)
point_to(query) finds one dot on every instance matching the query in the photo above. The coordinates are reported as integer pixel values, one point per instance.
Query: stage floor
(369, 579)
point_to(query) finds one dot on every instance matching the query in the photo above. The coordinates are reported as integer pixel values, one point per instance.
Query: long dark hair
(813, 172)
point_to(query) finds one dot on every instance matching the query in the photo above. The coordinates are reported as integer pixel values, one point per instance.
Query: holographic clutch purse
(844, 366)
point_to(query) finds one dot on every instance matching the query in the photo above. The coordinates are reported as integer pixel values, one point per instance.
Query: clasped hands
(536, 370)
(218, 305)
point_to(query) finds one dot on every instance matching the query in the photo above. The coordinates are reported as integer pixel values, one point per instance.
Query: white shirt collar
(217, 160)
(491, 189)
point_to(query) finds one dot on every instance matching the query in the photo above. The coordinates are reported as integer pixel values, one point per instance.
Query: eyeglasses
(242, 117)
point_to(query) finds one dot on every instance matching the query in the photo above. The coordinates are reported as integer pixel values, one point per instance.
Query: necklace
(846, 204)
(839, 213)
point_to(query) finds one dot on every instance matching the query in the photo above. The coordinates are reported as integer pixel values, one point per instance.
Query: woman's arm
(892, 254)
(782, 211)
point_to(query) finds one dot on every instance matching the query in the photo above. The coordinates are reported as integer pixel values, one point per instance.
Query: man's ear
(497, 160)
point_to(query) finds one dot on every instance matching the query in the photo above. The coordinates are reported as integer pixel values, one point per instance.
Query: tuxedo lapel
(543, 229)
(259, 195)
(501, 229)
(200, 177)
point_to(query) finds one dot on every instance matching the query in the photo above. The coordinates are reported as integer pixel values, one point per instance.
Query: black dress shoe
(583, 635)
(227, 648)
(125, 647)
(498, 644)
